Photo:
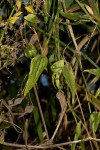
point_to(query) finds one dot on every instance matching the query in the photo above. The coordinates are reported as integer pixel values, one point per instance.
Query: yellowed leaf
(29, 9)
(89, 9)
(2, 137)
(17, 14)
(96, 102)
(13, 19)
(18, 3)
(29, 109)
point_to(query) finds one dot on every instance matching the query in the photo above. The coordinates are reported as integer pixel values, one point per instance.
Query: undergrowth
(50, 74)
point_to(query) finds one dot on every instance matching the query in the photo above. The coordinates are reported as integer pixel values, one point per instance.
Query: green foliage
(95, 120)
(71, 16)
(38, 123)
(38, 64)
(32, 18)
(95, 72)
(30, 51)
(77, 134)
(70, 80)
(49, 47)
(57, 68)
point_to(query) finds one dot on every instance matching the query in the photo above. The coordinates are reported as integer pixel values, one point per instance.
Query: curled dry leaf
(29, 109)
(33, 39)
(18, 101)
(62, 100)
(11, 104)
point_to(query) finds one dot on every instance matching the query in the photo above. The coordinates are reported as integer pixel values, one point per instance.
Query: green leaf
(32, 18)
(72, 16)
(68, 3)
(92, 99)
(47, 6)
(38, 123)
(95, 7)
(38, 64)
(96, 102)
(57, 68)
(4, 126)
(95, 120)
(77, 134)
(97, 93)
(30, 51)
(95, 72)
(2, 137)
(69, 77)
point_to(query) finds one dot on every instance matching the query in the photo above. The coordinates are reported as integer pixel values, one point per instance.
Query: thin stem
(47, 146)
(85, 124)
(41, 113)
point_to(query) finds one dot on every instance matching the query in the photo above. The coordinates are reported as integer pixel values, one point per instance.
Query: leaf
(30, 51)
(57, 68)
(47, 6)
(18, 101)
(95, 72)
(2, 137)
(4, 126)
(17, 14)
(62, 99)
(68, 3)
(95, 7)
(29, 109)
(89, 9)
(70, 80)
(33, 38)
(95, 120)
(97, 93)
(32, 18)
(72, 16)
(38, 123)
(38, 64)
(77, 134)
(29, 9)
(92, 99)
(18, 3)
(96, 102)
(13, 19)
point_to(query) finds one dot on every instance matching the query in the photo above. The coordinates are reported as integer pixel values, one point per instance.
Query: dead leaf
(62, 100)
(18, 101)
(2, 137)
(33, 39)
(29, 109)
